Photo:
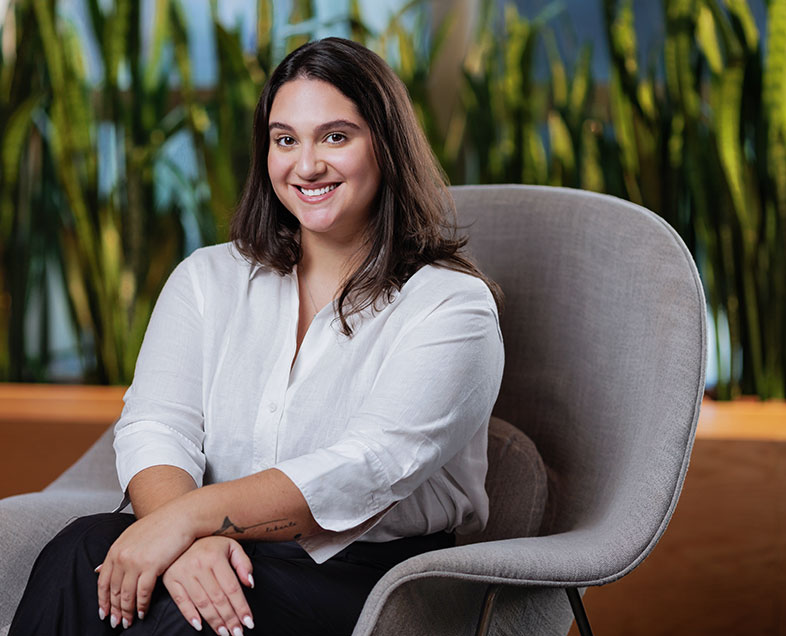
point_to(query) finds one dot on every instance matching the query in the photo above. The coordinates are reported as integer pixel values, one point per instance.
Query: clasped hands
(203, 575)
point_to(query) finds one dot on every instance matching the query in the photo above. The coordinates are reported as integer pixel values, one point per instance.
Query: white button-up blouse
(384, 433)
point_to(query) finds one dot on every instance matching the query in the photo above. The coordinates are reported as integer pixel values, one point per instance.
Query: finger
(102, 585)
(115, 587)
(205, 606)
(128, 598)
(241, 563)
(144, 591)
(234, 593)
(183, 601)
(228, 621)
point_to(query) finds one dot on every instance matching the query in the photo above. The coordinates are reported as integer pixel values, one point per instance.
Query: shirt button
(272, 406)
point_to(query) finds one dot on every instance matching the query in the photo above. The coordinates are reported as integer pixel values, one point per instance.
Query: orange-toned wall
(720, 568)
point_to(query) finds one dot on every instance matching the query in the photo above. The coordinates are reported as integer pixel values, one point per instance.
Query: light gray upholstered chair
(605, 345)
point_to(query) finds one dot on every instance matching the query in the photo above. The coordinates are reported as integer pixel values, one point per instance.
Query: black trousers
(292, 594)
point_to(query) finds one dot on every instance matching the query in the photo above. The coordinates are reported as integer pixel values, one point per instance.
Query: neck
(329, 262)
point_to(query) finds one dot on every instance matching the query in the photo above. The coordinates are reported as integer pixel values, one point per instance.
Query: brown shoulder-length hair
(414, 223)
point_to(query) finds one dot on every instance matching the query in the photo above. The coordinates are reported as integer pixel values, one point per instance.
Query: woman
(319, 388)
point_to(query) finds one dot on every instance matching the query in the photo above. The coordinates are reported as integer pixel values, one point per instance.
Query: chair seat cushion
(516, 484)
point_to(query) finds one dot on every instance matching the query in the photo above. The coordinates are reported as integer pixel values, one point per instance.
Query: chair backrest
(604, 329)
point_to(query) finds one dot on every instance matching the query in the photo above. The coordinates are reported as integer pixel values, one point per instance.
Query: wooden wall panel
(720, 568)
(44, 429)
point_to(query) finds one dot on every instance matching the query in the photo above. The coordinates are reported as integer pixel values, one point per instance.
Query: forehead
(311, 102)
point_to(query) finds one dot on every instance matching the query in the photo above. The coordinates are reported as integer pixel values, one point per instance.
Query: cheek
(276, 171)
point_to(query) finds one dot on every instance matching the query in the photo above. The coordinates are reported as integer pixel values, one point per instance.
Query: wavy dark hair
(414, 223)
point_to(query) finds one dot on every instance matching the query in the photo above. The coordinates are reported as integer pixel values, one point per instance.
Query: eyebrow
(322, 128)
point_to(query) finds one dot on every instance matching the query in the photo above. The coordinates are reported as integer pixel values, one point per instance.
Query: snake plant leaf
(774, 98)
(726, 99)
(264, 28)
(591, 169)
(741, 10)
(75, 281)
(622, 118)
(160, 37)
(115, 40)
(680, 18)
(580, 85)
(707, 39)
(14, 138)
(559, 80)
(561, 146)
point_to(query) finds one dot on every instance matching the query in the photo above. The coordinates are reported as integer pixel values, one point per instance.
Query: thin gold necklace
(311, 297)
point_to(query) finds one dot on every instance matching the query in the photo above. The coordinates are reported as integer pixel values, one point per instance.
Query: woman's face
(321, 160)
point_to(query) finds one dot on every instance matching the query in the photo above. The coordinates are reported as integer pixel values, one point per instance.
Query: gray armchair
(605, 347)
(604, 332)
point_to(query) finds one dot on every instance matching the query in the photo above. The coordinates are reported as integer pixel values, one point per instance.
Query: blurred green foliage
(703, 144)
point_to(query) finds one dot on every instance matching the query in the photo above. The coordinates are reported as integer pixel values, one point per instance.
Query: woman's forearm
(155, 486)
(265, 506)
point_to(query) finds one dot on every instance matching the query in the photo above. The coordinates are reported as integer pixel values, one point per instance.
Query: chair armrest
(578, 558)
(27, 523)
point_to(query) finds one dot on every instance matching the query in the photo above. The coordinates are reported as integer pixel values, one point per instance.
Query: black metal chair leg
(578, 611)
(484, 622)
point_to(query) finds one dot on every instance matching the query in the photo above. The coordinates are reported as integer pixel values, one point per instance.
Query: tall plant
(703, 144)
(78, 198)
(704, 153)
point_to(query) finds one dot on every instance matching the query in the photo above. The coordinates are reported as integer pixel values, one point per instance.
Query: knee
(89, 536)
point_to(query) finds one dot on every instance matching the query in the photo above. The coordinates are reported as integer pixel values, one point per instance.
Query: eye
(336, 138)
(285, 141)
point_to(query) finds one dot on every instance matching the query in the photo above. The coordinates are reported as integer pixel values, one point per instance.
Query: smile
(318, 192)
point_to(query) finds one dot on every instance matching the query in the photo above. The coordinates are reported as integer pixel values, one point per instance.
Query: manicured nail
(141, 614)
(223, 631)
(237, 631)
(113, 621)
(101, 613)
(251, 581)
(98, 569)
(197, 624)
(248, 622)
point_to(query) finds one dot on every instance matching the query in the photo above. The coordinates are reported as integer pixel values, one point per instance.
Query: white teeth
(316, 193)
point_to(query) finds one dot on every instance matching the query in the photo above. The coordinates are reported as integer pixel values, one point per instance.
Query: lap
(292, 593)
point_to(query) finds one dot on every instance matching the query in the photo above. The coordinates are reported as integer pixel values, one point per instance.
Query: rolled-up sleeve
(162, 422)
(432, 394)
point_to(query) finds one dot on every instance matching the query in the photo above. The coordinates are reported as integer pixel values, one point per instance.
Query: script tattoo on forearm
(273, 525)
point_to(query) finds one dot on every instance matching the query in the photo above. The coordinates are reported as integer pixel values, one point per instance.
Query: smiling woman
(321, 163)
(318, 388)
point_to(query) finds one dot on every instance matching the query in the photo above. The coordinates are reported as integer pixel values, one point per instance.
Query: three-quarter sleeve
(162, 422)
(432, 394)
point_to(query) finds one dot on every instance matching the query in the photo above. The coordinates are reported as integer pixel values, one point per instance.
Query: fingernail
(237, 631)
(101, 613)
(223, 631)
(125, 623)
(251, 581)
(113, 621)
(197, 624)
(98, 568)
(248, 622)
(141, 614)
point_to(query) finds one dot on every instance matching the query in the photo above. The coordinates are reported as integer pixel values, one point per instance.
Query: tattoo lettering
(273, 525)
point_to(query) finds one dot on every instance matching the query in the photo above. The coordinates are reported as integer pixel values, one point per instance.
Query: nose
(309, 163)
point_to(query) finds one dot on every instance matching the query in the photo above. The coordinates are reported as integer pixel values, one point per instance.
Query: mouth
(316, 194)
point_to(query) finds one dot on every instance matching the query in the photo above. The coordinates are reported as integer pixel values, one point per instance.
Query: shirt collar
(254, 267)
